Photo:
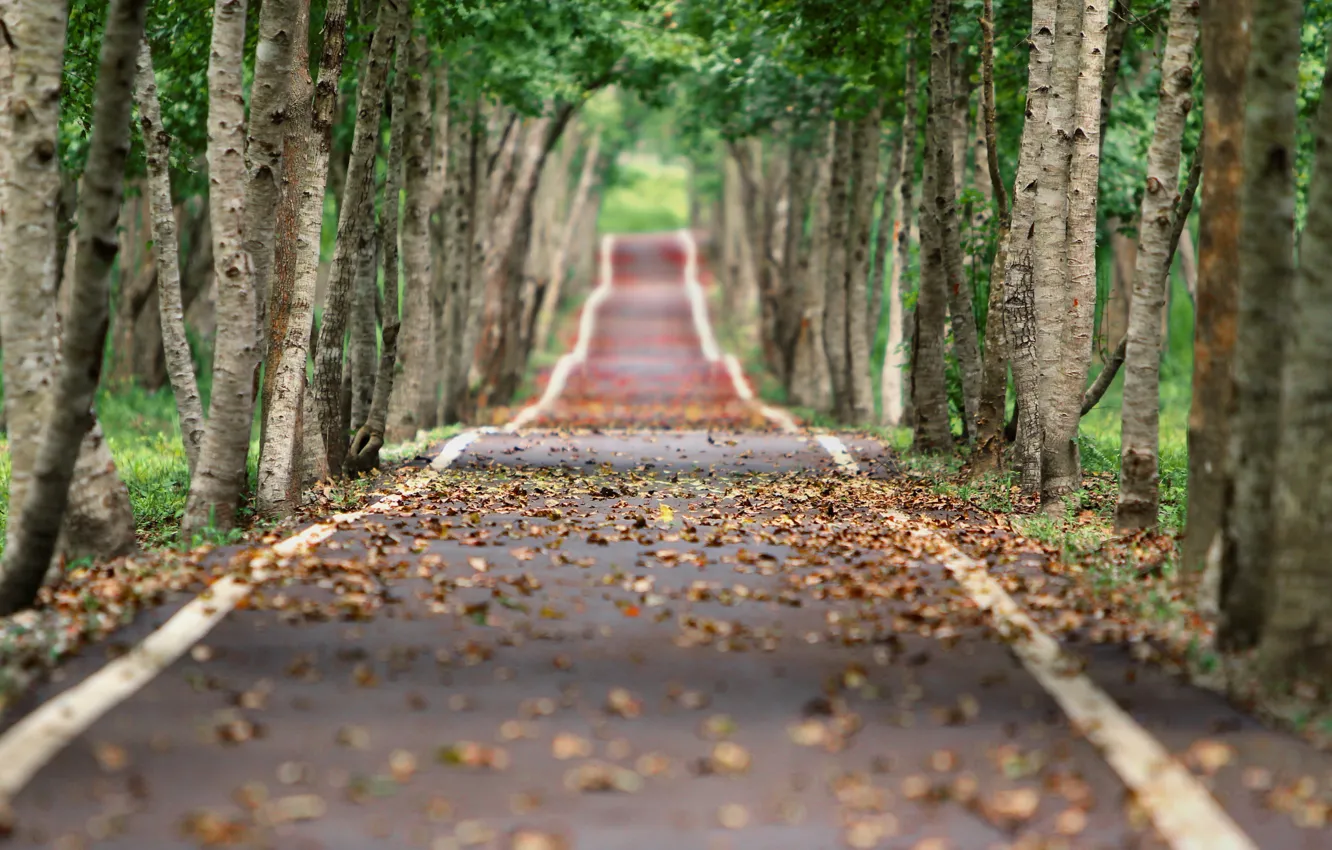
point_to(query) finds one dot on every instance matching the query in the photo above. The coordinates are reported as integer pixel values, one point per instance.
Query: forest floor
(653, 611)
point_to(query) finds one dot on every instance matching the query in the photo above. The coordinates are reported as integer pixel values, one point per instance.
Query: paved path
(646, 639)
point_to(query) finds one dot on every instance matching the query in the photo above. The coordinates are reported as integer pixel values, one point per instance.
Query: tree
(70, 417)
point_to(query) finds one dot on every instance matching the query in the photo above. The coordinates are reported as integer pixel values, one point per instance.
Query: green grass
(646, 195)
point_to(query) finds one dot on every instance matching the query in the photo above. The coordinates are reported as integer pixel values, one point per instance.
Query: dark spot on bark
(105, 249)
(1278, 159)
(45, 150)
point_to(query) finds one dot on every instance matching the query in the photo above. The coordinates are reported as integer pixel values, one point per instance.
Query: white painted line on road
(32, 742)
(707, 340)
(559, 376)
(1183, 811)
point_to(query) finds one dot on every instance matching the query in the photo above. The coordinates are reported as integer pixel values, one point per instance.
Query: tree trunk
(878, 258)
(363, 453)
(1266, 277)
(1061, 468)
(269, 100)
(455, 248)
(217, 483)
(560, 260)
(300, 209)
(1225, 52)
(180, 365)
(810, 382)
(929, 388)
(1019, 286)
(327, 386)
(1298, 632)
(363, 343)
(800, 176)
(1139, 492)
(835, 304)
(414, 403)
(966, 346)
(69, 418)
(993, 405)
(864, 170)
(891, 390)
(473, 289)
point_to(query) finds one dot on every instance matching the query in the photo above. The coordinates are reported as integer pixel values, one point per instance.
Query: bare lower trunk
(966, 346)
(1019, 286)
(296, 264)
(865, 170)
(1267, 273)
(1298, 632)
(810, 383)
(363, 345)
(560, 260)
(180, 366)
(363, 453)
(269, 100)
(69, 418)
(993, 404)
(413, 405)
(473, 291)
(835, 304)
(1139, 492)
(891, 388)
(455, 242)
(327, 384)
(1225, 51)
(929, 389)
(1061, 468)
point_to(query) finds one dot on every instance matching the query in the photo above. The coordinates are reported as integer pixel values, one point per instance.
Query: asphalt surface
(612, 638)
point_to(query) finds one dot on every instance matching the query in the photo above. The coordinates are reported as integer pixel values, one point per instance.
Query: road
(651, 613)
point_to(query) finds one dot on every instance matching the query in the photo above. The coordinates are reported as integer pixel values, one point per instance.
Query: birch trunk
(327, 386)
(929, 388)
(864, 172)
(1225, 51)
(1266, 276)
(1061, 468)
(835, 303)
(279, 31)
(811, 383)
(68, 418)
(413, 405)
(1139, 492)
(166, 250)
(1019, 286)
(891, 389)
(1298, 632)
(993, 405)
(296, 267)
(966, 346)
(363, 453)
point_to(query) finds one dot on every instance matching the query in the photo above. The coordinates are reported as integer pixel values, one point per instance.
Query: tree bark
(1139, 492)
(1298, 632)
(1019, 286)
(456, 224)
(69, 418)
(279, 31)
(891, 390)
(993, 404)
(865, 170)
(1266, 276)
(363, 453)
(966, 346)
(327, 386)
(878, 258)
(835, 304)
(307, 149)
(219, 479)
(811, 381)
(413, 405)
(560, 260)
(1225, 52)
(180, 365)
(929, 388)
(1061, 472)
(363, 341)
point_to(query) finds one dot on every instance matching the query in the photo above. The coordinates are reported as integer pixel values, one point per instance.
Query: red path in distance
(645, 364)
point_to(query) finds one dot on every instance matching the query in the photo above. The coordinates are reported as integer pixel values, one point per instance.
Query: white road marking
(559, 376)
(707, 340)
(1183, 811)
